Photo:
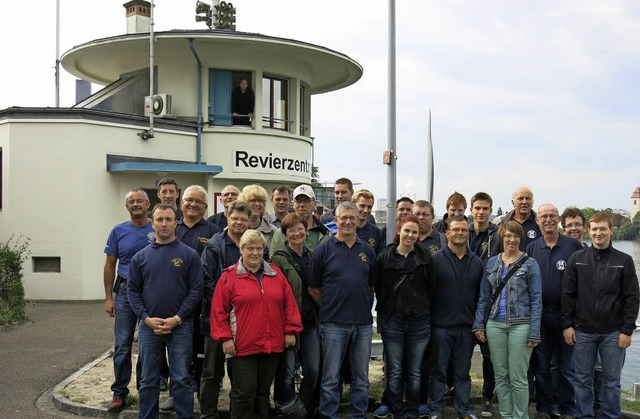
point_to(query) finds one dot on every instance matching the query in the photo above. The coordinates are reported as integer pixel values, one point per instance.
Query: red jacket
(255, 316)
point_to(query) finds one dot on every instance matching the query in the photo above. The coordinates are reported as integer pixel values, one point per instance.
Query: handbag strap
(514, 268)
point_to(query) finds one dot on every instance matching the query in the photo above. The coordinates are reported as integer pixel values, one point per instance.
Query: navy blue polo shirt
(434, 241)
(345, 277)
(531, 230)
(370, 233)
(196, 236)
(552, 262)
(302, 262)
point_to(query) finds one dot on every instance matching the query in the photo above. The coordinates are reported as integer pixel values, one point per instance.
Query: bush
(12, 302)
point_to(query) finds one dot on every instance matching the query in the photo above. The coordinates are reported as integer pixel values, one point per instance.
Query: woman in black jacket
(404, 286)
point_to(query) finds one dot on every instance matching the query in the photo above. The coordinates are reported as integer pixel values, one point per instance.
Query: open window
(224, 86)
(275, 110)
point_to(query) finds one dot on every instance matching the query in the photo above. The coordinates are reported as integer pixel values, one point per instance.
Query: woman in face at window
(254, 316)
(513, 326)
(404, 286)
(256, 196)
(293, 257)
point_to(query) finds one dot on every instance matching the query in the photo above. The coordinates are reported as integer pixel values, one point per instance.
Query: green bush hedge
(12, 303)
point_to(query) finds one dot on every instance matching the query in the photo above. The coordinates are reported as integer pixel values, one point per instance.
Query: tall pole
(57, 75)
(151, 64)
(391, 126)
(429, 162)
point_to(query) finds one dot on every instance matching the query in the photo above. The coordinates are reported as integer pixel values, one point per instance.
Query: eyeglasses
(135, 201)
(239, 220)
(302, 201)
(574, 225)
(192, 201)
(345, 218)
(257, 200)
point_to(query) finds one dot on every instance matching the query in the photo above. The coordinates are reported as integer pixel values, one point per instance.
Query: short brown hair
(572, 212)
(345, 181)
(168, 181)
(241, 207)
(423, 203)
(162, 207)
(456, 199)
(482, 196)
(290, 220)
(600, 217)
(511, 227)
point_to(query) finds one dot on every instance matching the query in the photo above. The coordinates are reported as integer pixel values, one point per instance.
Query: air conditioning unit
(160, 105)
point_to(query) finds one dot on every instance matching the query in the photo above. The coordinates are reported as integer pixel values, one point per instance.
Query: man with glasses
(552, 252)
(458, 272)
(430, 238)
(573, 224)
(124, 241)
(304, 203)
(341, 278)
(220, 252)
(229, 194)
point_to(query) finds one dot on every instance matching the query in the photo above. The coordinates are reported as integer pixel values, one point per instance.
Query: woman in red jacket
(255, 316)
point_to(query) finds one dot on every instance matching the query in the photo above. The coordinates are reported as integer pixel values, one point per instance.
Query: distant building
(635, 202)
(64, 172)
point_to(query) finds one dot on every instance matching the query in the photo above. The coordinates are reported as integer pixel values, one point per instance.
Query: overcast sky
(538, 93)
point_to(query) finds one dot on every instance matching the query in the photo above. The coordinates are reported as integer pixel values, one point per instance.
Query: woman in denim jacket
(513, 327)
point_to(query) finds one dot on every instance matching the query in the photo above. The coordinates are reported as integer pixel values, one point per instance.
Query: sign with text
(251, 161)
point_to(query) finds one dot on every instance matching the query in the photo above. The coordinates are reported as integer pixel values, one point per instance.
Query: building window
(222, 85)
(125, 95)
(46, 264)
(304, 130)
(275, 113)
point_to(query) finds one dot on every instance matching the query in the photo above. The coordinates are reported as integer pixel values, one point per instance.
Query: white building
(65, 171)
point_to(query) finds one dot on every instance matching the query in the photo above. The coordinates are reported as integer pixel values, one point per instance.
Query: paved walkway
(61, 338)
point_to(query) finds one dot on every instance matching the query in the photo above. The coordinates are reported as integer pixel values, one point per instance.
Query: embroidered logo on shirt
(372, 242)
(203, 239)
(177, 262)
(484, 246)
(433, 248)
(561, 265)
(531, 234)
(151, 236)
(363, 256)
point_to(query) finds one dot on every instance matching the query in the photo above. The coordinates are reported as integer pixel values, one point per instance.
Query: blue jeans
(587, 346)
(404, 342)
(178, 345)
(553, 344)
(310, 358)
(336, 338)
(451, 346)
(124, 329)
(284, 389)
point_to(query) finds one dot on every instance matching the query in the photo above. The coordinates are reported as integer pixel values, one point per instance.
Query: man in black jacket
(458, 272)
(599, 309)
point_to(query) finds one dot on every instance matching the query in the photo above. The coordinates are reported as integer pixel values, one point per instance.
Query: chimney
(138, 16)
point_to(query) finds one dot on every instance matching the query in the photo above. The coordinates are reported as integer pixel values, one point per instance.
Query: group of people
(268, 292)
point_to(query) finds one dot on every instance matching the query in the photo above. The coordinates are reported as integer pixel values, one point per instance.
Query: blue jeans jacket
(523, 292)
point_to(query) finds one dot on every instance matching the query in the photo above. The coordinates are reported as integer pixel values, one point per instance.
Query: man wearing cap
(304, 202)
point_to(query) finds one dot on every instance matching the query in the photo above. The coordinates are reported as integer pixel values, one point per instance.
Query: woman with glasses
(404, 287)
(257, 197)
(508, 318)
(254, 315)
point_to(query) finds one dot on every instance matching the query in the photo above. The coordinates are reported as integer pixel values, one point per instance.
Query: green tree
(315, 177)
(12, 302)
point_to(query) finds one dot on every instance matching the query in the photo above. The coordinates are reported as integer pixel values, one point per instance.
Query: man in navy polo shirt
(341, 278)
(552, 251)
(522, 212)
(124, 241)
(429, 238)
(193, 230)
(165, 286)
(367, 231)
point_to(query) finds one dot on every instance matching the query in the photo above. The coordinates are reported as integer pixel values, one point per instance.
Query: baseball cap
(304, 190)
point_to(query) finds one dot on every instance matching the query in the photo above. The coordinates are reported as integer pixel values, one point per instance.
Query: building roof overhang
(137, 166)
(103, 60)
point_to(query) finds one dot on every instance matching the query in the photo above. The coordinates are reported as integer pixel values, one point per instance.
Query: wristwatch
(178, 319)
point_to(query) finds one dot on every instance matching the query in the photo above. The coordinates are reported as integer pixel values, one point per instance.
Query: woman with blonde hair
(256, 196)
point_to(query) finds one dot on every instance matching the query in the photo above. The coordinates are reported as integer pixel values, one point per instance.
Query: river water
(631, 370)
